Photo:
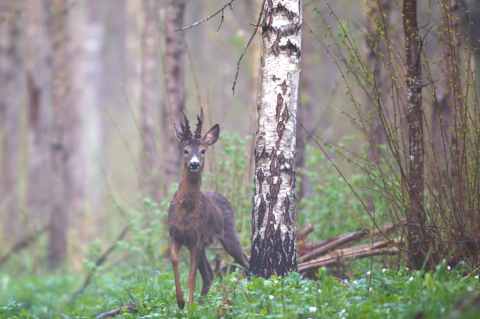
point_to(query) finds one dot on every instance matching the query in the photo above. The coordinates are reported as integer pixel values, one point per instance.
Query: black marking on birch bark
(253, 219)
(275, 47)
(286, 217)
(274, 77)
(284, 85)
(262, 209)
(281, 159)
(274, 167)
(270, 3)
(279, 106)
(260, 178)
(285, 115)
(280, 129)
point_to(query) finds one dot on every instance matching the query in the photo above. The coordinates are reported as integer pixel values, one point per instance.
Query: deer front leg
(175, 249)
(195, 254)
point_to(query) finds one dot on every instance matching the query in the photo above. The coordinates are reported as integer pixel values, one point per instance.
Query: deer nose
(194, 165)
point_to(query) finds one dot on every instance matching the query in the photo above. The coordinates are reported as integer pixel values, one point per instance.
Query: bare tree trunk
(38, 81)
(416, 214)
(175, 88)
(273, 216)
(58, 33)
(10, 106)
(149, 98)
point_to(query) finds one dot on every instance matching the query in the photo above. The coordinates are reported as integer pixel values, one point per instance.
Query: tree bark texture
(416, 213)
(273, 216)
(38, 85)
(10, 106)
(175, 88)
(58, 33)
(149, 98)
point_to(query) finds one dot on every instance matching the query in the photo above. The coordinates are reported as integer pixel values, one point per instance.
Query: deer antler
(185, 127)
(198, 131)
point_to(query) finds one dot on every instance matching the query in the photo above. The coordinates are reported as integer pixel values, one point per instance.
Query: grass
(366, 294)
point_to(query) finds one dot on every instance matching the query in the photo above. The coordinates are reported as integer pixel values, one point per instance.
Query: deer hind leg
(175, 249)
(206, 272)
(233, 248)
(195, 257)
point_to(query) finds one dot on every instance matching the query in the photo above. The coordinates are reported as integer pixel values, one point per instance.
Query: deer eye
(185, 152)
(203, 152)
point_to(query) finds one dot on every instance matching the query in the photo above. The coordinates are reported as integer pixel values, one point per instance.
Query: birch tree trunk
(273, 216)
(175, 88)
(149, 98)
(57, 252)
(38, 81)
(416, 214)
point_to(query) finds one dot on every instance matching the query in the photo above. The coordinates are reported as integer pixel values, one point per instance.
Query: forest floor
(150, 293)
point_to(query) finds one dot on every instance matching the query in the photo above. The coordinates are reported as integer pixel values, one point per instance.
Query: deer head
(194, 147)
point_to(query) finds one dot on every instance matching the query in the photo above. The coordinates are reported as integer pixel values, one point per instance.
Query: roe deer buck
(195, 218)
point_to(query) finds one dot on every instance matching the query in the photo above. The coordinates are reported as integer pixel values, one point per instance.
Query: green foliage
(367, 294)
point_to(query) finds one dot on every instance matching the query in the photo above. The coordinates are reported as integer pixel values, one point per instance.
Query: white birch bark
(273, 220)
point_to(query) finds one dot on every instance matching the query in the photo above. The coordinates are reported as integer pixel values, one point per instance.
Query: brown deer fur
(196, 218)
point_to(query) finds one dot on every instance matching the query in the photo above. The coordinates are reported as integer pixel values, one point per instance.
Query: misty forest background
(89, 91)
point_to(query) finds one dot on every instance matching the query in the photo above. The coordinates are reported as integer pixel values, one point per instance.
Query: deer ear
(212, 136)
(179, 133)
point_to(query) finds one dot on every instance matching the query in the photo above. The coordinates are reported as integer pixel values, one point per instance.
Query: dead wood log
(328, 260)
(114, 312)
(22, 244)
(100, 261)
(352, 238)
(307, 229)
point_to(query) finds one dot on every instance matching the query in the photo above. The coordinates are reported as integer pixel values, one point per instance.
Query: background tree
(10, 106)
(273, 216)
(174, 103)
(38, 78)
(62, 82)
(149, 99)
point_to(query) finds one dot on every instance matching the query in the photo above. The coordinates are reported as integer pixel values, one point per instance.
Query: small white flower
(305, 289)
(407, 268)
(470, 288)
(275, 281)
(326, 304)
(368, 273)
(313, 309)
(319, 291)
(448, 267)
(411, 278)
(384, 270)
(370, 289)
(355, 282)
(271, 297)
(234, 279)
(476, 277)
(343, 310)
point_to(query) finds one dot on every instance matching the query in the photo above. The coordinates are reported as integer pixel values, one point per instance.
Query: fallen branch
(114, 312)
(307, 229)
(352, 238)
(100, 261)
(23, 243)
(328, 260)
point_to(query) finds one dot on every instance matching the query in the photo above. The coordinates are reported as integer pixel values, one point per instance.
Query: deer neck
(189, 190)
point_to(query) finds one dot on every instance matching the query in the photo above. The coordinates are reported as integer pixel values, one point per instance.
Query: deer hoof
(181, 304)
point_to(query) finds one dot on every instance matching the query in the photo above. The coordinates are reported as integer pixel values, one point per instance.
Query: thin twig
(23, 243)
(100, 261)
(245, 48)
(208, 18)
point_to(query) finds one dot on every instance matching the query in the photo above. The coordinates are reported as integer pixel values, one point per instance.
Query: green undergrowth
(367, 294)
